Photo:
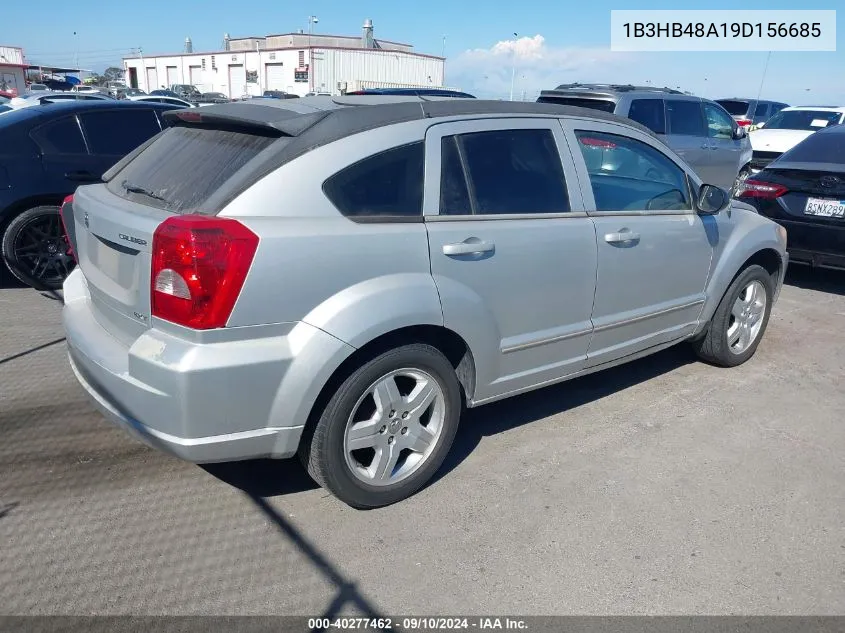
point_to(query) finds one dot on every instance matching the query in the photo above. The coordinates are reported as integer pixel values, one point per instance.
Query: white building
(12, 70)
(297, 63)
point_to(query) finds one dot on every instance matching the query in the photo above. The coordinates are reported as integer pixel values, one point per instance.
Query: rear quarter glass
(185, 166)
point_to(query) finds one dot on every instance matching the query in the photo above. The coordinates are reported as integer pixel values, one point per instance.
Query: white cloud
(487, 72)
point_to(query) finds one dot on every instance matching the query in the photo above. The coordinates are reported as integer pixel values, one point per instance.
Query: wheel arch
(448, 342)
(24, 204)
(767, 255)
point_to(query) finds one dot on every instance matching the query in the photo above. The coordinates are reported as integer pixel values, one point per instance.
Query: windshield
(807, 120)
(734, 107)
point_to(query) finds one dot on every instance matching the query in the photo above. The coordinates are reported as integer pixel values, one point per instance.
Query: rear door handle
(82, 176)
(472, 246)
(621, 237)
(706, 146)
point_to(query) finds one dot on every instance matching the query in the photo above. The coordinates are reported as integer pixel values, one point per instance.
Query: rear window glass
(734, 108)
(579, 102)
(818, 148)
(185, 166)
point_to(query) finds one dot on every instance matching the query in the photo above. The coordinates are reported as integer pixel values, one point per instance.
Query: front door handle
(621, 237)
(706, 146)
(472, 246)
(82, 176)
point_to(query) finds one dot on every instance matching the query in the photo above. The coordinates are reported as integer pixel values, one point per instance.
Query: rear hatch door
(114, 223)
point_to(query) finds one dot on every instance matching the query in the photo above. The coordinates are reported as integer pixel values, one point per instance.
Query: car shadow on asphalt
(819, 279)
(272, 478)
(263, 477)
(512, 413)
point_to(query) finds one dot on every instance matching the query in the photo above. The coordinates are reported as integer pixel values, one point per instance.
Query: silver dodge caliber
(339, 277)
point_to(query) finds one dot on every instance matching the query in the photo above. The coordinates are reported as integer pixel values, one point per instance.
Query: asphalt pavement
(664, 487)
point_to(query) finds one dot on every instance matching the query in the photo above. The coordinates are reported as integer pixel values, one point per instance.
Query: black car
(413, 92)
(804, 190)
(46, 151)
(278, 94)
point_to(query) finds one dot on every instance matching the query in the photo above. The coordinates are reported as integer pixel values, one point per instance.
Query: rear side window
(762, 110)
(649, 112)
(60, 137)
(186, 165)
(388, 184)
(506, 171)
(581, 102)
(116, 133)
(685, 118)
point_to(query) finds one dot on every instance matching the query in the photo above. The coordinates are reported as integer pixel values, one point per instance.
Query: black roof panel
(325, 119)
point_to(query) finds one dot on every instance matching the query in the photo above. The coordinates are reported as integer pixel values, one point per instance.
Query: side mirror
(711, 199)
(740, 132)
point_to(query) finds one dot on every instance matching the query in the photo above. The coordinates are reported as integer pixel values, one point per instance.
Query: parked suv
(339, 278)
(45, 153)
(751, 112)
(699, 130)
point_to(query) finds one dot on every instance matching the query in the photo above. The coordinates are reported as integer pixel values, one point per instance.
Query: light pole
(513, 64)
(312, 20)
(443, 55)
(76, 51)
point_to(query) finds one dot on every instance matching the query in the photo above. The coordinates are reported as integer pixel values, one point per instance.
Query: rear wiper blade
(130, 188)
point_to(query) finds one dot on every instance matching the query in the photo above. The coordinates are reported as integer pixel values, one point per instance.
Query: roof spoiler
(243, 117)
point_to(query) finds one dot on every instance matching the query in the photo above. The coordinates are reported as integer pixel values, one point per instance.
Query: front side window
(629, 175)
(649, 112)
(719, 123)
(685, 118)
(502, 172)
(60, 137)
(388, 184)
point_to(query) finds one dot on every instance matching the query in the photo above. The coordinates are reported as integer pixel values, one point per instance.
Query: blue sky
(557, 41)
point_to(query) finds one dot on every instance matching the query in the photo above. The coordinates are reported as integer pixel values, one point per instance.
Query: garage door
(152, 79)
(237, 81)
(195, 74)
(172, 76)
(275, 77)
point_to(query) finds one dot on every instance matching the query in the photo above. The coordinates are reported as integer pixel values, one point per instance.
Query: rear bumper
(204, 403)
(818, 259)
(819, 245)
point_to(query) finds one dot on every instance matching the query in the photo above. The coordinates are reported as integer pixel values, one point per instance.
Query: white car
(787, 128)
(46, 96)
(83, 89)
(159, 99)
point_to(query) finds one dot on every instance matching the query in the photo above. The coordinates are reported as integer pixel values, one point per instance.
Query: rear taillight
(743, 122)
(199, 265)
(67, 207)
(759, 189)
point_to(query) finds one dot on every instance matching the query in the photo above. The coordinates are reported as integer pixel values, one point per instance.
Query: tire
(715, 346)
(26, 266)
(331, 459)
(741, 177)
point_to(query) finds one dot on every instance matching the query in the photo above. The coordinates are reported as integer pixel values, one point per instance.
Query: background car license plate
(825, 208)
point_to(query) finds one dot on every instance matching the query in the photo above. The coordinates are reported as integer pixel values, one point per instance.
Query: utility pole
(443, 55)
(312, 20)
(143, 70)
(513, 64)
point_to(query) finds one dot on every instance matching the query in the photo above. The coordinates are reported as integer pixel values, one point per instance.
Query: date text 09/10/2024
(417, 623)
